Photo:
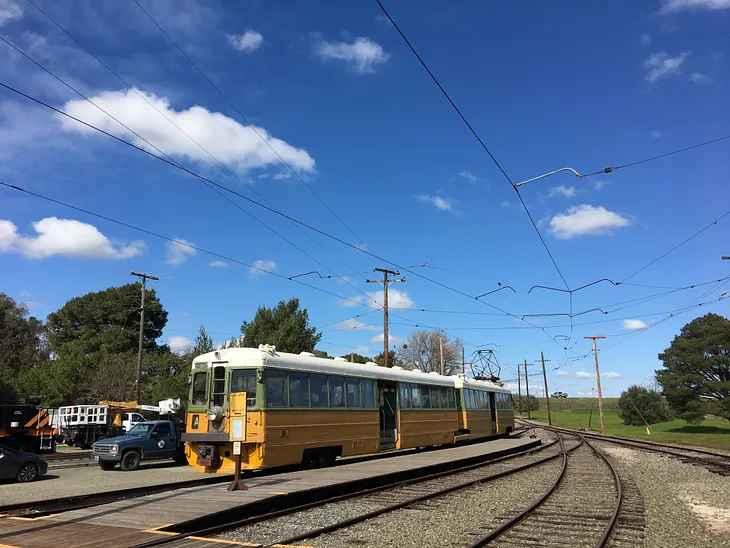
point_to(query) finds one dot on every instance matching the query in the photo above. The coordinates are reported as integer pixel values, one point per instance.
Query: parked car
(560, 395)
(152, 440)
(22, 466)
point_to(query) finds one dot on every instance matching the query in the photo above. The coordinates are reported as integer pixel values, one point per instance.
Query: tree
(284, 326)
(203, 342)
(320, 353)
(357, 358)
(696, 375)
(393, 359)
(22, 345)
(422, 352)
(637, 404)
(520, 403)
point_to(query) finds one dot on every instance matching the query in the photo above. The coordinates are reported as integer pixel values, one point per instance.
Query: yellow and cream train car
(304, 409)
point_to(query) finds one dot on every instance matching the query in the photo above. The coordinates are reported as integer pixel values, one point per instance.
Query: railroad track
(294, 524)
(715, 462)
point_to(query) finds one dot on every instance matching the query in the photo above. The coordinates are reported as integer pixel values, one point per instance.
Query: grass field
(711, 433)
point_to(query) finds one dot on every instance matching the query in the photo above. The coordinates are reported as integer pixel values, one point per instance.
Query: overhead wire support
(308, 273)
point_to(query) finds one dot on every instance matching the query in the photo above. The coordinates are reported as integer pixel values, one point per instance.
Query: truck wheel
(181, 460)
(107, 465)
(130, 461)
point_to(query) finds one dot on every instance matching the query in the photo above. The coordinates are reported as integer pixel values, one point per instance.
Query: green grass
(712, 433)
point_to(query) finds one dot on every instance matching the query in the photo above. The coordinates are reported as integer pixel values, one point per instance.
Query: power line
(248, 123)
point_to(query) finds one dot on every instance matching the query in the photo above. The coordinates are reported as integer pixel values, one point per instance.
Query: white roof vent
(397, 368)
(269, 349)
(371, 363)
(433, 373)
(308, 354)
(340, 359)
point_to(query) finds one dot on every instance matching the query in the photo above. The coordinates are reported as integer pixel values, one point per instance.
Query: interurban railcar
(304, 409)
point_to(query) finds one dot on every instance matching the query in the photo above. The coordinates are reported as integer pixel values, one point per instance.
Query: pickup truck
(151, 440)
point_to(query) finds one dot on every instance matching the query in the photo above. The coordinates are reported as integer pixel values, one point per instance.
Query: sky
(319, 111)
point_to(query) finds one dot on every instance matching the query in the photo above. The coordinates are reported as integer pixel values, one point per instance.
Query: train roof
(268, 356)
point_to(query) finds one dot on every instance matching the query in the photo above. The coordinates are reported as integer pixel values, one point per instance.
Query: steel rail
(207, 531)
(611, 525)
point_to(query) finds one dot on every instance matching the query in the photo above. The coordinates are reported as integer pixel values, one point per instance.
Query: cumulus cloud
(177, 252)
(392, 339)
(583, 375)
(699, 78)
(562, 190)
(218, 264)
(438, 201)
(354, 324)
(469, 176)
(674, 6)
(235, 145)
(179, 344)
(363, 55)
(562, 373)
(64, 237)
(598, 185)
(611, 375)
(634, 324)
(352, 301)
(660, 65)
(9, 10)
(396, 299)
(30, 304)
(259, 265)
(586, 219)
(247, 42)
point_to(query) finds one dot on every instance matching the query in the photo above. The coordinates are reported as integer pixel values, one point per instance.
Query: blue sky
(333, 90)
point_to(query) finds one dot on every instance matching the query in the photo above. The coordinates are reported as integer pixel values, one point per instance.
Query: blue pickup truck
(151, 440)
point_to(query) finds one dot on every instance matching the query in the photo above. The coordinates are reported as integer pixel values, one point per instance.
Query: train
(303, 410)
(28, 426)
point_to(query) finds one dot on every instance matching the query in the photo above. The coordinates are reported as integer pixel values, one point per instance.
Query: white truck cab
(130, 419)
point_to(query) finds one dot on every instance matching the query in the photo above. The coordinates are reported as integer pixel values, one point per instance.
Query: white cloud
(645, 39)
(30, 304)
(247, 42)
(562, 373)
(235, 145)
(363, 55)
(634, 324)
(396, 299)
(177, 252)
(562, 190)
(583, 375)
(611, 375)
(469, 176)
(352, 301)
(586, 219)
(179, 344)
(673, 6)
(660, 65)
(261, 264)
(24, 293)
(438, 201)
(218, 264)
(598, 185)
(392, 340)
(354, 324)
(699, 78)
(9, 10)
(505, 203)
(64, 237)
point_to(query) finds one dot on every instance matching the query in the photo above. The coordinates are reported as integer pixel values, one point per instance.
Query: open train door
(493, 411)
(388, 415)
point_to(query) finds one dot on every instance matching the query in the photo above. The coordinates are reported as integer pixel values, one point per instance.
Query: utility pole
(519, 390)
(441, 351)
(598, 381)
(352, 356)
(527, 389)
(547, 396)
(463, 362)
(385, 281)
(144, 278)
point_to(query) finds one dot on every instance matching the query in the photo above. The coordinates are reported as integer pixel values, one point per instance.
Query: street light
(548, 175)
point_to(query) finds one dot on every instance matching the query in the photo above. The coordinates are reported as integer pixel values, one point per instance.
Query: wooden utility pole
(385, 281)
(441, 351)
(519, 390)
(527, 390)
(463, 362)
(144, 278)
(547, 396)
(598, 381)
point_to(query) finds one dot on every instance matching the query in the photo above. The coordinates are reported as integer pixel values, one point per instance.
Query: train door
(493, 411)
(388, 415)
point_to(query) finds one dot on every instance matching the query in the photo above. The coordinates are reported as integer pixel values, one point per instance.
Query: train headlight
(215, 414)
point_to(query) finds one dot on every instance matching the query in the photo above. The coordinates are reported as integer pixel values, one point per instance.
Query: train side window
(299, 389)
(200, 388)
(425, 397)
(467, 399)
(368, 393)
(353, 392)
(244, 380)
(337, 391)
(483, 400)
(500, 401)
(416, 402)
(277, 389)
(509, 402)
(435, 399)
(450, 398)
(405, 395)
(443, 392)
(318, 390)
(219, 385)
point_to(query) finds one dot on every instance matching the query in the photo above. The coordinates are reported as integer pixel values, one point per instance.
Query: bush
(520, 403)
(637, 404)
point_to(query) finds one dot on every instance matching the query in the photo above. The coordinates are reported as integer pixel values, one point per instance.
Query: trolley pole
(385, 281)
(527, 390)
(144, 278)
(547, 396)
(519, 390)
(598, 381)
